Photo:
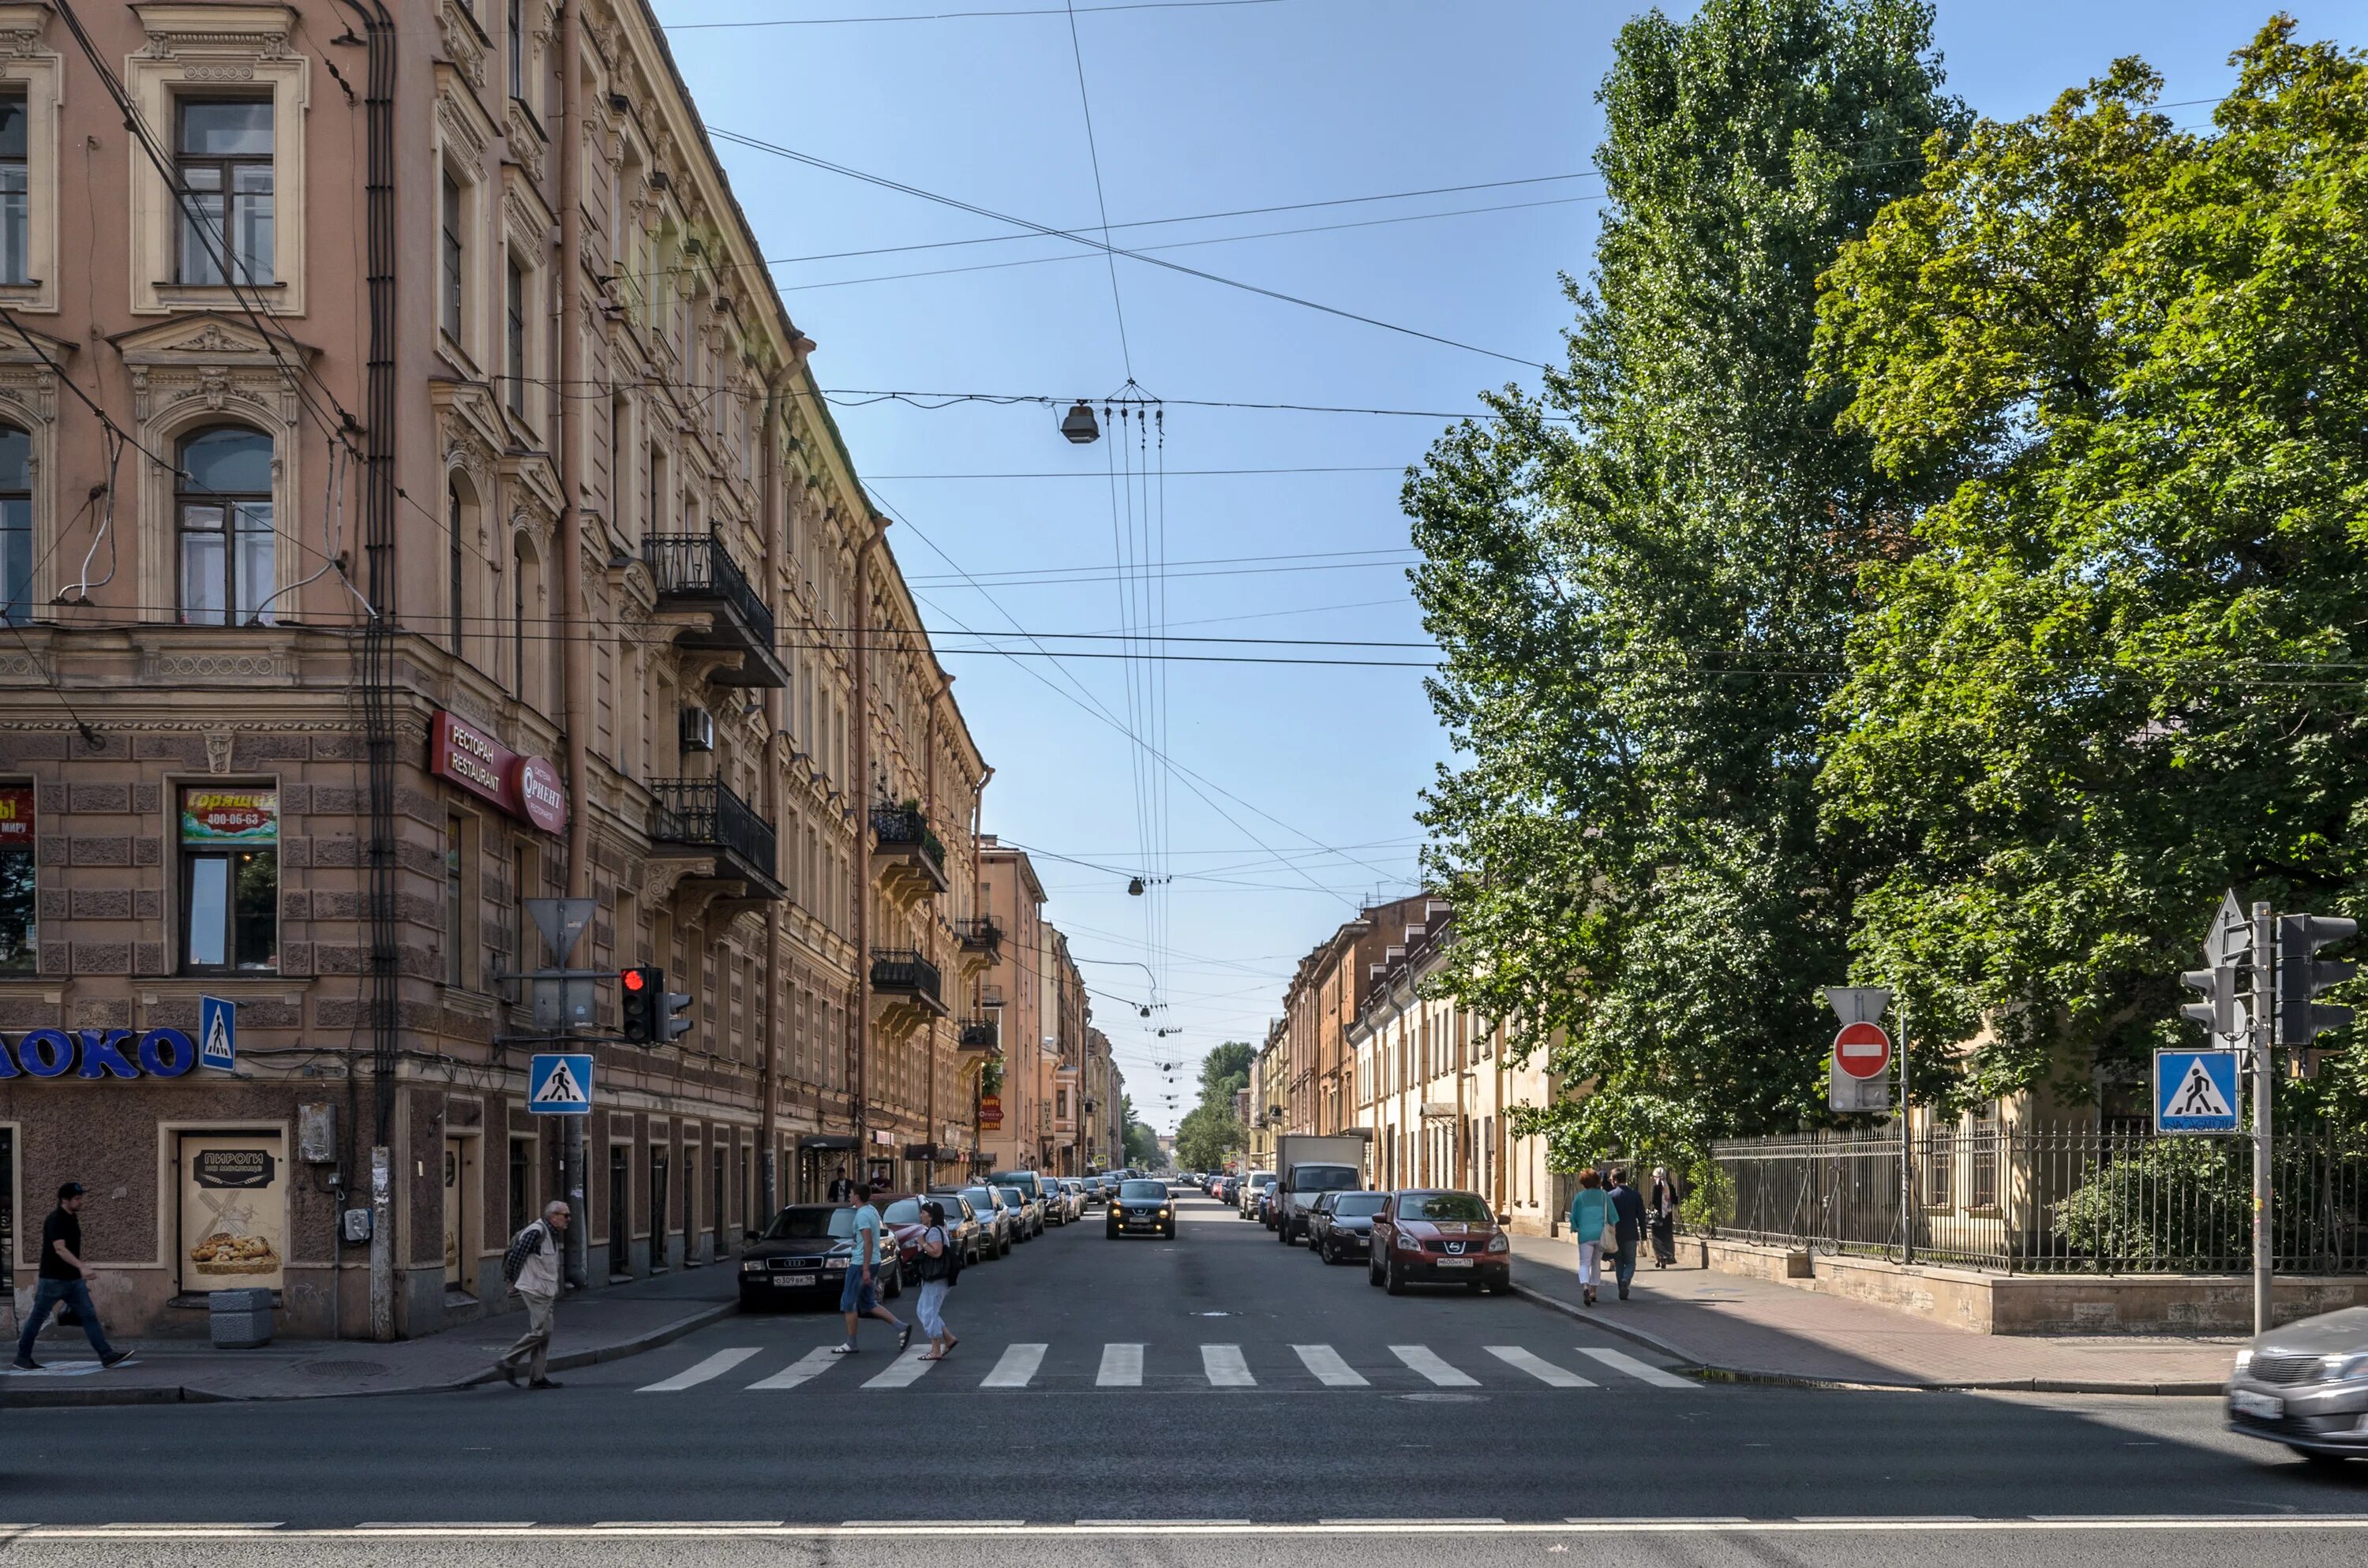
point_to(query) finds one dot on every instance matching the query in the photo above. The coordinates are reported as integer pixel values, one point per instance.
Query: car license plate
(2264, 1406)
(1454, 1263)
(786, 1280)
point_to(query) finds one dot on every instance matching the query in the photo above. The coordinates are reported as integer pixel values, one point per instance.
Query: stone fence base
(2039, 1303)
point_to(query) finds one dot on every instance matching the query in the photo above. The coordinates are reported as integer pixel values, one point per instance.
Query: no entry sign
(1862, 1050)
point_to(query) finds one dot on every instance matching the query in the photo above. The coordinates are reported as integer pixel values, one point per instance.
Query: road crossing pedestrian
(1131, 1365)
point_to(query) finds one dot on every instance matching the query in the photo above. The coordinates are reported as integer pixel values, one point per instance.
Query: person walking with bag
(532, 1266)
(1591, 1217)
(1628, 1216)
(940, 1264)
(1661, 1208)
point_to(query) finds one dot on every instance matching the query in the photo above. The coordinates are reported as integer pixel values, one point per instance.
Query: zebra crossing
(1036, 1365)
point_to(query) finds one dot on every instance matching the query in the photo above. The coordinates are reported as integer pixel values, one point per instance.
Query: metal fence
(1994, 1195)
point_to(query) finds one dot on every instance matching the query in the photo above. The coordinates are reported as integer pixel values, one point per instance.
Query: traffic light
(670, 1026)
(639, 990)
(2219, 1011)
(2302, 977)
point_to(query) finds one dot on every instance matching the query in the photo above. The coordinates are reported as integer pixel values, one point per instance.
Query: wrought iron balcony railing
(897, 828)
(697, 570)
(907, 974)
(983, 934)
(706, 814)
(980, 1034)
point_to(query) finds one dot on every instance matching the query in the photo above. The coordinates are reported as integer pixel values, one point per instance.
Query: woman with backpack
(939, 1264)
(1590, 1213)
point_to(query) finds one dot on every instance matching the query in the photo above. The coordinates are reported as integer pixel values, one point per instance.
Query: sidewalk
(621, 1320)
(1759, 1331)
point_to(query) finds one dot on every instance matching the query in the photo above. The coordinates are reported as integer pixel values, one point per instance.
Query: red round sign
(540, 794)
(1862, 1050)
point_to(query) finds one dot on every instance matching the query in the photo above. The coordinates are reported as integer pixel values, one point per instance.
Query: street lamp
(1079, 426)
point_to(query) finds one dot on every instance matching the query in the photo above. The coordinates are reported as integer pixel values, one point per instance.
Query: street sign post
(2195, 1091)
(1862, 1050)
(559, 1083)
(217, 1034)
(1855, 1080)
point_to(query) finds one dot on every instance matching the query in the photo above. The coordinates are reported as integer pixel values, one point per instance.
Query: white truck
(1306, 1167)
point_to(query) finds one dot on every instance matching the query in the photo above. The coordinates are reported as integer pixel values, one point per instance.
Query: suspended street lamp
(1079, 426)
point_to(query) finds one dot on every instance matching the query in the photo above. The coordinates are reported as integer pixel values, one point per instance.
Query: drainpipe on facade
(575, 668)
(776, 725)
(859, 1017)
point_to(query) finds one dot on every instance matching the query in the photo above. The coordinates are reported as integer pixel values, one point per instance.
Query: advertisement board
(230, 816)
(233, 1211)
(17, 816)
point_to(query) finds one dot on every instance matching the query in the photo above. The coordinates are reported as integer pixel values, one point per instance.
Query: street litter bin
(240, 1320)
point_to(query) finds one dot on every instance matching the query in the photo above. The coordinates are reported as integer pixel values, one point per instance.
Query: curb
(84, 1398)
(1712, 1371)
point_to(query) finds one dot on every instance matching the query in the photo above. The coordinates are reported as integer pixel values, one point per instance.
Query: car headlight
(1408, 1244)
(2343, 1368)
(1499, 1242)
(2244, 1360)
(1163, 1213)
(833, 1263)
(752, 1266)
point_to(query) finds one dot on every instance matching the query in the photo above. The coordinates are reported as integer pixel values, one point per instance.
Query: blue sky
(1292, 795)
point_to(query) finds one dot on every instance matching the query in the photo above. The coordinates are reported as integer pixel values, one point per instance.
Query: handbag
(1609, 1242)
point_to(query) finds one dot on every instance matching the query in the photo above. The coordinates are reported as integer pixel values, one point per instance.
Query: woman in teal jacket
(1590, 1211)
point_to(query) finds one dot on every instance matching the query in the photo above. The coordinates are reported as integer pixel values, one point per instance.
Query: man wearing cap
(63, 1276)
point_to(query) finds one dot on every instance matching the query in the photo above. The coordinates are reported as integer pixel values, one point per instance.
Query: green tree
(1641, 581)
(1226, 1070)
(2119, 666)
(1206, 1138)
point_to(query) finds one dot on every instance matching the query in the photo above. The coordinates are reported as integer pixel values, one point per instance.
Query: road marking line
(1163, 1524)
(1225, 1367)
(1329, 1367)
(2250, 1524)
(806, 1369)
(906, 1369)
(1620, 1362)
(1538, 1367)
(1017, 1368)
(1447, 1519)
(715, 1365)
(1121, 1367)
(689, 1524)
(1423, 1359)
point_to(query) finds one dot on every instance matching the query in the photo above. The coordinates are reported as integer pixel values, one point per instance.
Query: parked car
(1076, 1187)
(905, 1220)
(1252, 1185)
(2305, 1385)
(1342, 1225)
(996, 1219)
(1439, 1236)
(1269, 1204)
(1142, 1208)
(1028, 1219)
(1229, 1190)
(1312, 1166)
(803, 1255)
(1034, 1187)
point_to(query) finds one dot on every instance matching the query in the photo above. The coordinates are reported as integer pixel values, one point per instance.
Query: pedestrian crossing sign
(559, 1084)
(2195, 1091)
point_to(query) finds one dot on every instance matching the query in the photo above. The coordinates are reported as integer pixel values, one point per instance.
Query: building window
(514, 340)
(456, 567)
(222, 506)
(18, 937)
(454, 256)
(16, 193)
(15, 527)
(224, 165)
(518, 49)
(517, 620)
(230, 878)
(458, 864)
(1982, 1166)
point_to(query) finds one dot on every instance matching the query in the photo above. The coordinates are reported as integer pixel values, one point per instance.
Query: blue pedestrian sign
(2195, 1091)
(218, 1034)
(559, 1084)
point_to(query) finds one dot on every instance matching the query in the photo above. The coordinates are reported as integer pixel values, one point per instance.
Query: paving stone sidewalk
(1762, 1331)
(621, 1320)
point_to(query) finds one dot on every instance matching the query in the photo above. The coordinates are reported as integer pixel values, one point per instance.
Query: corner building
(453, 521)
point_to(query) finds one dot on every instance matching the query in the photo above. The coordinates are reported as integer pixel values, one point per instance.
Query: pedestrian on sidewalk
(939, 1266)
(1661, 1206)
(1628, 1215)
(64, 1276)
(1590, 1212)
(531, 1265)
(841, 1190)
(857, 1297)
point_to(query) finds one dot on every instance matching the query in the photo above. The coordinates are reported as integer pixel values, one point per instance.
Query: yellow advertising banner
(233, 1211)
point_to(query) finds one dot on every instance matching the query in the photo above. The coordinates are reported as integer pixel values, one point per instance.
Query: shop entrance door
(456, 1248)
(658, 1210)
(621, 1211)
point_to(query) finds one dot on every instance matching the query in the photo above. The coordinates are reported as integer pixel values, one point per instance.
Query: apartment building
(414, 502)
(1325, 993)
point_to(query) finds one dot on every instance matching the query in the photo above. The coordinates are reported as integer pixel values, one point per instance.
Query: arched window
(223, 511)
(454, 600)
(16, 526)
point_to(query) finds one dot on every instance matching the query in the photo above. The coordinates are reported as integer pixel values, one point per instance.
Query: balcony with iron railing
(696, 573)
(982, 934)
(705, 814)
(981, 1034)
(908, 859)
(898, 972)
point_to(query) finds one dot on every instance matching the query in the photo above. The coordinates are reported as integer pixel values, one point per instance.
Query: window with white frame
(222, 514)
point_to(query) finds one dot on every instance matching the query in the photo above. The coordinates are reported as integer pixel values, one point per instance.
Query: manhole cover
(1445, 1398)
(335, 1369)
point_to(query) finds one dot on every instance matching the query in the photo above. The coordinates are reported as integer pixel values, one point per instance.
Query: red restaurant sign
(990, 1111)
(528, 788)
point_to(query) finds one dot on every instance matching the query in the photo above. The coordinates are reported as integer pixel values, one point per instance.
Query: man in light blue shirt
(855, 1297)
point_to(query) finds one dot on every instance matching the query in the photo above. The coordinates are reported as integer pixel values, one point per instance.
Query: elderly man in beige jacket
(532, 1264)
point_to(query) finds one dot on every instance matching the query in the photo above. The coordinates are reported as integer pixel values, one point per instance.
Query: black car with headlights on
(1140, 1208)
(804, 1255)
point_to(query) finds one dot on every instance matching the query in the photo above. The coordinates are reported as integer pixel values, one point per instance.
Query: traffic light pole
(2264, 1085)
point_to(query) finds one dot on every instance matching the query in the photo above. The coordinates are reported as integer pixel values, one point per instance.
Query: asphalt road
(1218, 1399)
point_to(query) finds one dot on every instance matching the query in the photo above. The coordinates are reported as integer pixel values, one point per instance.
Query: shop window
(20, 944)
(223, 158)
(16, 191)
(229, 880)
(15, 527)
(223, 514)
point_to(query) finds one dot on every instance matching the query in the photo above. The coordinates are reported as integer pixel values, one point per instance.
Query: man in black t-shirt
(63, 1276)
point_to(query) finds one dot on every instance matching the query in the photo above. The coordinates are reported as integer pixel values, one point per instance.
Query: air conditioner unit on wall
(697, 730)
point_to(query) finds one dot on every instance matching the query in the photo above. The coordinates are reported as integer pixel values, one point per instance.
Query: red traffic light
(633, 979)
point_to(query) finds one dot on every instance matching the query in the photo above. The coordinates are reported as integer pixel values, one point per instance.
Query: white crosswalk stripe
(909, 1367)
(1538, 1367)
(1641, 1371)
(806, 1369)
(1425, 1360)
(715, 1365)
(1329, 1368)
(1121, 1367)
(1226, 1367)
(1017, 1368)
